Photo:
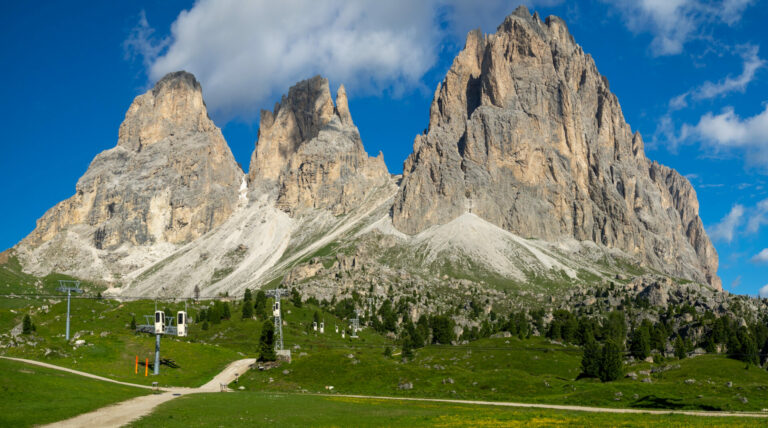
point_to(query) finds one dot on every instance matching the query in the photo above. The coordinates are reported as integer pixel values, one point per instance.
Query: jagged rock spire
(309, 152)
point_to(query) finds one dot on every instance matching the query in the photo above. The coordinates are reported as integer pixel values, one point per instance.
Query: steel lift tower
(69, 287)
(276, 312)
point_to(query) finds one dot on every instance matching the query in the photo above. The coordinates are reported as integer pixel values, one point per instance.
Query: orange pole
(146, 367)
(136, 369)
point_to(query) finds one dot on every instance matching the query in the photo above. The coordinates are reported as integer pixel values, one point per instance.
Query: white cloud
(751, 63)
(759, 217)
(726, 229)
(761, 257)
(736, 282)
(142, 44)
(246, 52)
(673, 23)
(727, 131)
(763, 291)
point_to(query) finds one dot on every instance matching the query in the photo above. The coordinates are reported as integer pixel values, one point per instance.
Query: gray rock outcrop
(170, 179)
(309, 151)
(525, 133)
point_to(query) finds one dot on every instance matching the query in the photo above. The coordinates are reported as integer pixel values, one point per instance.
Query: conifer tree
(267, 342)
(611, 362)
(679, 346)
(590, 361)
(247, 310)
(26, 325)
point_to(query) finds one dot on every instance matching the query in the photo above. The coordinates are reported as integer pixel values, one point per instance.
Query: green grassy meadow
(289, 410)
(32, 395)
(529, 370)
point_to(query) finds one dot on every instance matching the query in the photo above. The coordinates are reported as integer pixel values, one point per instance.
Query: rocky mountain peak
(309, 152)
(525, 133)
(174, 107)
(170, 179)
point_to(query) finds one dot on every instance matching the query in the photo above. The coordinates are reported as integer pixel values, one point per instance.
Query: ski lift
(276, 309)
(314, 325)
(159, 322)
(181, 324)
(322, 327)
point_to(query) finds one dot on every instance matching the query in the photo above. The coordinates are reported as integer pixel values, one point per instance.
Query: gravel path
(121, 414)
(562, 407)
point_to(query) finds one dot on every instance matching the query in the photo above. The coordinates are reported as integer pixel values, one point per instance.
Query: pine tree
(247, 310)
(205, 325)
(260, 305)
(679, 346)
(247, 298)
(197, 293)
(226, 314)
(267, 342)
(640, 343)
(590, 361)
(407, 350)
(26, 325)
(133, 322)
(611, 363)
(295, 297)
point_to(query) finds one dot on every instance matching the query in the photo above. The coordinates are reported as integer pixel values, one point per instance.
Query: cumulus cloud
(751, 63)
(673, 23)
(727, 131)
(725, 230)
(761, 257)
(763, 291)
(246, 52)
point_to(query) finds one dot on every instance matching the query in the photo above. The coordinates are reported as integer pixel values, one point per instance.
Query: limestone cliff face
(171, 177)
(309, 151)
(525, 133)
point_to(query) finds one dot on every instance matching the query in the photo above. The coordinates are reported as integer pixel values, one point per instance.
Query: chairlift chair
(181, 324)
(159, 322)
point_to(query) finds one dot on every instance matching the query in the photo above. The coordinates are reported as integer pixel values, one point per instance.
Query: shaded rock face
(171, 177)
(525, 133)
(309, 151)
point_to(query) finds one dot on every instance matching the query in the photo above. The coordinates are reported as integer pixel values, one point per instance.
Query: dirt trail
(561, 407)
(121, 414)
(77, 372)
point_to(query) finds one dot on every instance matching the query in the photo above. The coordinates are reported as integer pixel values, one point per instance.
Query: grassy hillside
(34, 395)
(504, 369)
(262, 409)
(532, 370)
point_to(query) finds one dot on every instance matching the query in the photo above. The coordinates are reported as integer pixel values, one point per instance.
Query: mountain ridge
(526, 146)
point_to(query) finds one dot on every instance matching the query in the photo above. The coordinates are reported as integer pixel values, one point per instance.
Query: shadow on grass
(654, 402)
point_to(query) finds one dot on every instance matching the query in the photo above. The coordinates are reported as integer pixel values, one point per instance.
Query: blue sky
(691, 76)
